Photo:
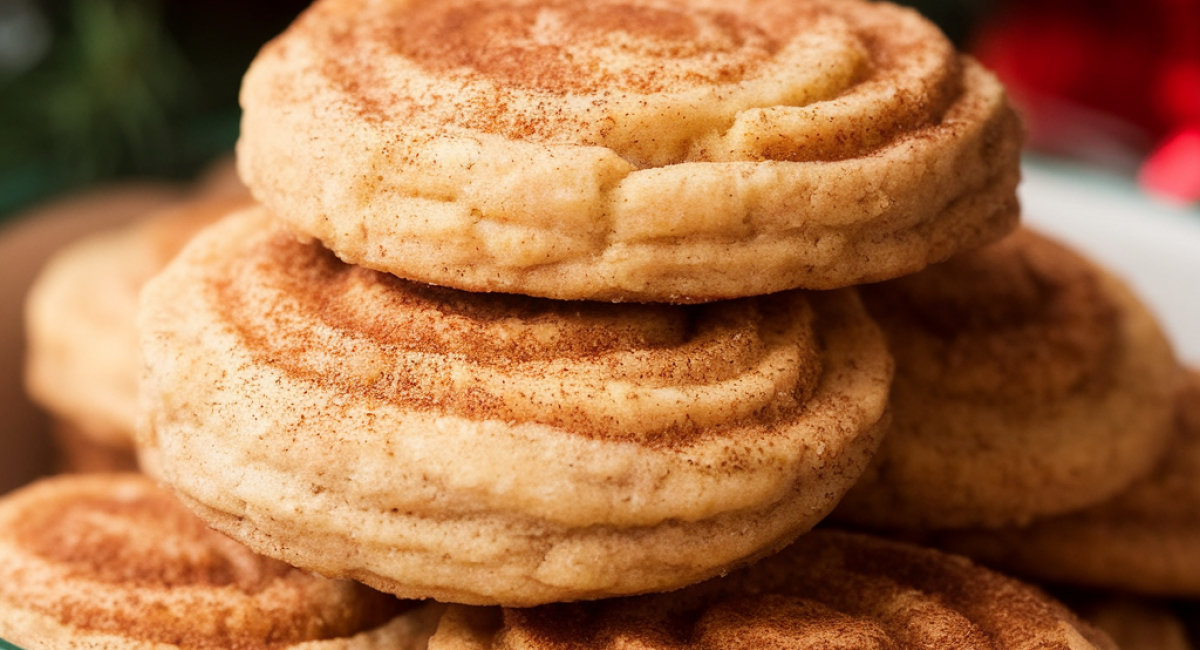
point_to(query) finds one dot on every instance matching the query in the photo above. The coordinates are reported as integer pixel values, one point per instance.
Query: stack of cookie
(548, 302)
(425, 392)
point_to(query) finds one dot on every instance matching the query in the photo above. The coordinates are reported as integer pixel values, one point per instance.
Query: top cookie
(669, 150)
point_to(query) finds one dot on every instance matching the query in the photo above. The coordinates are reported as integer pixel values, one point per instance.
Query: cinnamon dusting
(119, 555)
(514, 358)
(828, 590)
(557, 71)
(1024, 316)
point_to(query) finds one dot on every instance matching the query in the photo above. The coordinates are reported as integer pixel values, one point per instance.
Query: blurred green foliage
(93, 90)
(102, 102)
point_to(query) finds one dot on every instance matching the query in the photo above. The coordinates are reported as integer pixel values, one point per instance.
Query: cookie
(492, 448)
(828, 590)
(82, 361)
(1029, 382)
(1145, 540)
(113, 561)
(662, 151)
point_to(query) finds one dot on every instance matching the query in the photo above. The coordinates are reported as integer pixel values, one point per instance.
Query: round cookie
(1029, 382)
(828, 590)
(114, 562)
(492, 448)
(1145, 540)
(82, 361)
(629, 150)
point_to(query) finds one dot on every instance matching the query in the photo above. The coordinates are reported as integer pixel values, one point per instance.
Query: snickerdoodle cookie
(629, 150)
(82, 361)
(828, 590)
(1145, 540)
(1029, 382)
(114, 562)
(493, 448)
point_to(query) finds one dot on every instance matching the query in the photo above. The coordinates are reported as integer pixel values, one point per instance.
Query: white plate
(1156, 247)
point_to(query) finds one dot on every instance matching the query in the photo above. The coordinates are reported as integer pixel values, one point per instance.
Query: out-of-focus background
(95, 90)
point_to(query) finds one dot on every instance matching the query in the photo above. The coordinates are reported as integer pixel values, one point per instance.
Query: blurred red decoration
(1173, 171)
(1107, 80)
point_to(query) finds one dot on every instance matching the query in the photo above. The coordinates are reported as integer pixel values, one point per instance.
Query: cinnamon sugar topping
(121, 541)
(559, 47)
(597, 73)
(660, 374)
